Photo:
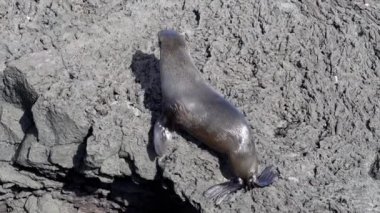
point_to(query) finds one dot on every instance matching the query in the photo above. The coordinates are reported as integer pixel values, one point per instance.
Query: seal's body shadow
(145, 67)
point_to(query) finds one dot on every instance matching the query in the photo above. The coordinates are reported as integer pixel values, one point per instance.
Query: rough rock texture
(80, 91)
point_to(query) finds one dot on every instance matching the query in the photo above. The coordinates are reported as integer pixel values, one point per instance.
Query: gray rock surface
(80, 91)
(47, 204)
(10, 176)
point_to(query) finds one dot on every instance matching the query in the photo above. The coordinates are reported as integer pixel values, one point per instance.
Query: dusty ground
(80, 92)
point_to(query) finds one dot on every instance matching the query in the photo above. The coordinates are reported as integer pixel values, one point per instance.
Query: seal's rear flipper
(161, 135)
(266, 177)
(221, 192)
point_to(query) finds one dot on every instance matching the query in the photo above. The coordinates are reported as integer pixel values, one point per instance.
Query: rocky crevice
(36, 158)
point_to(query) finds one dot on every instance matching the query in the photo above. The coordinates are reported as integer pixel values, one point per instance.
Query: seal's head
(170, 39)
(245, 162)
(254, 178)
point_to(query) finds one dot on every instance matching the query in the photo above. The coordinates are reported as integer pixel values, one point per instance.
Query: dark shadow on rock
(17, 90)
(146, 196)
(80, 155)
(26, 121)
(157, 198)
(145, 68)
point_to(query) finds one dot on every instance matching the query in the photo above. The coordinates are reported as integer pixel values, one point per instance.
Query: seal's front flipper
(266, 177)
(222, 191)
(161, 135)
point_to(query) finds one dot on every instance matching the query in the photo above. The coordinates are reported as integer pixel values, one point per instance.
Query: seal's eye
(159, 43)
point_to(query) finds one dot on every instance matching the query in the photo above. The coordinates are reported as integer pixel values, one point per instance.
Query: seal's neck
(177, 69)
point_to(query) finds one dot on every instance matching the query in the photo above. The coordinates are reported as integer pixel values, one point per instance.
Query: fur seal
(191, 104)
